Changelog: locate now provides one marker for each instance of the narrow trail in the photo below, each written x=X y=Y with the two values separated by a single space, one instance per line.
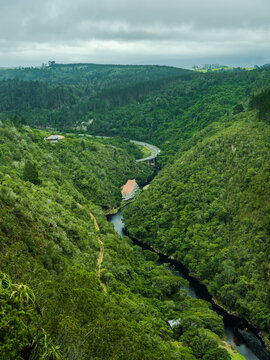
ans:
x=101 y=252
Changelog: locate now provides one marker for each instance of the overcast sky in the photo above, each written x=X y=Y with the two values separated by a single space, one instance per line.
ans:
x=173 y=32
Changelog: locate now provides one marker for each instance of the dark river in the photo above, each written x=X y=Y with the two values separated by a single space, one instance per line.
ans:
x=233 y=325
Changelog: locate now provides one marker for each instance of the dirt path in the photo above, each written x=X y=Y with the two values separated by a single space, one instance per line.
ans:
x=95 y=222
x=101 y=252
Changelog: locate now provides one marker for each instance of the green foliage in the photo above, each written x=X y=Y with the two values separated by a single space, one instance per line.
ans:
x=217 y=353
x=94 y=75
x=207 y=208
x=124 y=143
x=261 y=102
x=171 y=115
x=210 y=208
x=30 y=173
x=19 y=337
x=65 y=96
x=150 y=255
x=161 y=105
x=238 y=109
x=49 y=241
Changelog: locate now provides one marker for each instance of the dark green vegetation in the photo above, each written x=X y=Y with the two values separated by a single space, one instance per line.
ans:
x=161 y=105
x=49 y=242
x=208 y=206
x=19 y=337
x=80 y=164
x=261 y=102
x=65 y=96
x=210 y=209
x=137 y=151
x=169 y=117
x=97 y=76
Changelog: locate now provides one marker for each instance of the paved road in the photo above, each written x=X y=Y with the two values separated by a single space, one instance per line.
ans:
x=155 y=150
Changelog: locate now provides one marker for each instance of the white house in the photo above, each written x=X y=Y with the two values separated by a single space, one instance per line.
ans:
x=54 y=138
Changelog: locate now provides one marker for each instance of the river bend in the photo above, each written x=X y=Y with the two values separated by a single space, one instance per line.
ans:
x=233 y=325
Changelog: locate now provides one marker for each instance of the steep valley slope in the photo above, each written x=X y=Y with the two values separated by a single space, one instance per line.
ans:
x=58 y=300
x=210 y=209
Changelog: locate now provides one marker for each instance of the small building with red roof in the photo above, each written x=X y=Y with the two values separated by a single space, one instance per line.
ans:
x=129 y=190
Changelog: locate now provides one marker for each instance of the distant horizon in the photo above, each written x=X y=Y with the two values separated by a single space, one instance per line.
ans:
x=173 y=33
x=188 y=67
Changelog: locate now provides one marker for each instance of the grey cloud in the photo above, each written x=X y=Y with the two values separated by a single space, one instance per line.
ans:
x=31 y=19
x=186 y=27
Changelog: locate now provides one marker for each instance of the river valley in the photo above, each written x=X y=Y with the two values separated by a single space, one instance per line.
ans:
x=247 y=342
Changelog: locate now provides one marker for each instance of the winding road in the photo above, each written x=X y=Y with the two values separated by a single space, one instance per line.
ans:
x=155 y=150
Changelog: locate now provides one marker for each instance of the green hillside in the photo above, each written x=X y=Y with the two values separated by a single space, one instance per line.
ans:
x=66 y=276
x=173 y=114
x=72 y=305
x=162 y=105
x=210 y=210
x=96 y=75
x=65 y=96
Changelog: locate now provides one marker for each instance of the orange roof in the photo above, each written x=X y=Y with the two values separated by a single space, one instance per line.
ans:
x=128 y=187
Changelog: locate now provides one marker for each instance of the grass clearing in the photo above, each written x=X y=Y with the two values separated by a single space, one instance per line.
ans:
x=146 y=152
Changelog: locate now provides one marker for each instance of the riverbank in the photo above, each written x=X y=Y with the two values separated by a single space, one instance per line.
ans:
x=123 y=204
x=242 y=327
x=197 y=289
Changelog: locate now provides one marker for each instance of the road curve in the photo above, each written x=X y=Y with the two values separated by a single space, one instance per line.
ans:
x=155 y=150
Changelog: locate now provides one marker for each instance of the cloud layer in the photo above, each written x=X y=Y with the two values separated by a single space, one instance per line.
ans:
x=178 y=32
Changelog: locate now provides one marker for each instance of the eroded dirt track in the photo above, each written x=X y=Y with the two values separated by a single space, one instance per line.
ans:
x=101 y=252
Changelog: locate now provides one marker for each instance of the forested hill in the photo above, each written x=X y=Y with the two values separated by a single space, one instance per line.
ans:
x=210 y=209
x=97 y=75
x=97 y=296
x=157 y=104
x=62 y=299
x=65 y=96
x=172 y=115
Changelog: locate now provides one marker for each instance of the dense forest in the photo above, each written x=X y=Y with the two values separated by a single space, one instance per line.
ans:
x=210 y=210
x=208 y=207
x=63 y=96
x=54 y=302
x=97 y=76
x=162 y=105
